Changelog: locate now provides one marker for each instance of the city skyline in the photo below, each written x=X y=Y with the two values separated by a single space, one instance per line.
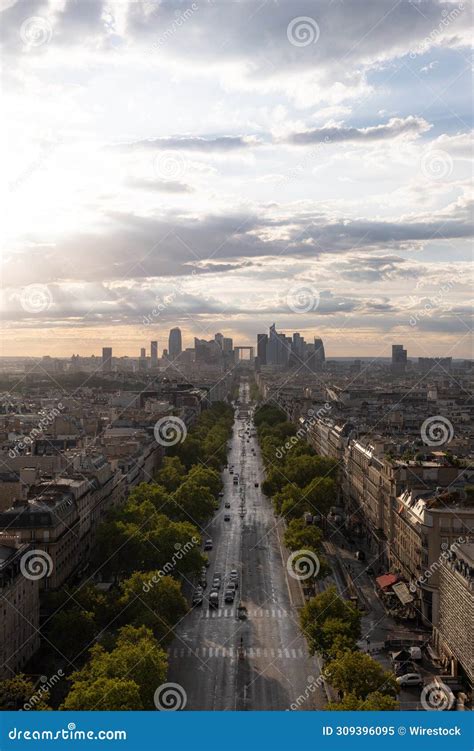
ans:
x=333 y=198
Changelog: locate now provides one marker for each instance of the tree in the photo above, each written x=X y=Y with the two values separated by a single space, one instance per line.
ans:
x=300 y=535
x=193 y=502
x=17 y=691
x=206 y=477
x=359 y=674
x=71 y=631
x=320 y=620
x=375 y=702
x=171 y=474
x=153 y=600
x=136 y=657
x=104 y=694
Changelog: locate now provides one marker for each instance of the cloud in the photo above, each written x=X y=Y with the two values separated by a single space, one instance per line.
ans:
x=408 y=127
x=161 y=186
x=195 y=143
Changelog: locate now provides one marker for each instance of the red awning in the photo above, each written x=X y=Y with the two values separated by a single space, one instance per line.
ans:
x=387 y=580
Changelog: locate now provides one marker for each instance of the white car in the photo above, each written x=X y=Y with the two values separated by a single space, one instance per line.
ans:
x=410 y=679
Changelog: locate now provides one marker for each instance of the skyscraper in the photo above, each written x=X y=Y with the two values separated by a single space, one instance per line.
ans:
x=399 y=359
x=106 y=359
x=175 y=346
x=262 y=343
x=154 y=354
x=219 y=338
x=228 y=345
x=317 y=356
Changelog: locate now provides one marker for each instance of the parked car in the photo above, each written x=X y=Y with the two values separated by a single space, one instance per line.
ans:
x=208 y=544
x=410 y=679
x=229 y=595
x=227 y=504
x=256 y=484
x=198 y=597
x=227 y=517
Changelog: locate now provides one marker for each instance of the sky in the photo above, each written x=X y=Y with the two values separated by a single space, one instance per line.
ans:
x=223 y=165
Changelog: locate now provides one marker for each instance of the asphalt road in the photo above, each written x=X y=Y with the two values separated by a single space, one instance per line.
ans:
x=261 y=663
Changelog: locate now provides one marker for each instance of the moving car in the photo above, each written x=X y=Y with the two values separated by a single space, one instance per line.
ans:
x=229 y=595
x=410 y=679
x=256 y=484
x=227 y=517
x=214 y=600
x=360 y=555
x=208 y=545
x=227 y=504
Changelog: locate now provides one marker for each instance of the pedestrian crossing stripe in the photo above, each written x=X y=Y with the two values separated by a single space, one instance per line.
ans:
x=232 y=613
x=204 y=653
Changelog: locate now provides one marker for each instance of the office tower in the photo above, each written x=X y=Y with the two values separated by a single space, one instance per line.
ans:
x=142 y=364
x=154 y=354
x=106 y=359
x=207 y=352
x=399 y=359
x=219 y=338
x=175 y=346
x=317 y=356
x=228 y=345
x=297 y=345
x=278 y=350
x=143 y=352
x=262 y=343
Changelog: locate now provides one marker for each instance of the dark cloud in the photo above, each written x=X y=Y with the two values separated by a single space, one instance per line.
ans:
x=195 y=143
x=396 y=127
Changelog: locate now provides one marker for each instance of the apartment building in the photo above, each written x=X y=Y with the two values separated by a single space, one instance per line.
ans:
x=453 y=632
x=19 y=611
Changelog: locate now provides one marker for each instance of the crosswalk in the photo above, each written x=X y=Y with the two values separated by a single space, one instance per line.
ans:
x=249 y=653
x=232 y=613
